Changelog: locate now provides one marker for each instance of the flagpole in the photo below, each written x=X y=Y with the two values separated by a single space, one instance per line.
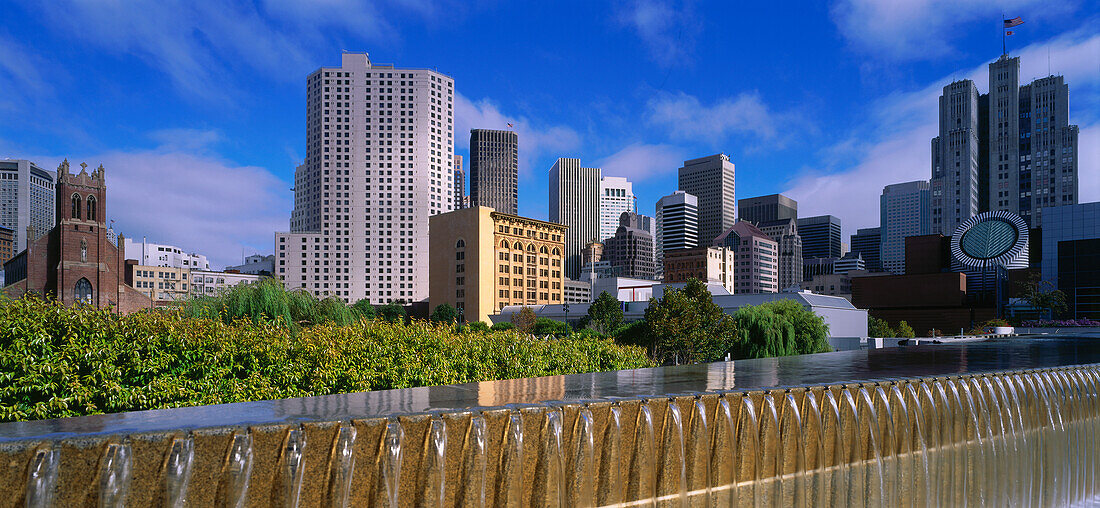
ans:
x=1004 y=46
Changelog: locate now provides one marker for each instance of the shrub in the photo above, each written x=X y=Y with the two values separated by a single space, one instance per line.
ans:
x=392 y=312
x=444 y=313
x=879 y=328
x=686 y=326
x=478 y=326
x=905 y=331
x=632 y=334
x=364 y=309
x=547 y=326
x=502 y=326
x=57 y=361
x=779 y=328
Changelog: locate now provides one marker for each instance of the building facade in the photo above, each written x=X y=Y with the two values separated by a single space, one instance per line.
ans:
x=494 y=170
x=212 y=283
x=705 y=264
x=630 y=251
x=867 y=242
x=1071 y=256
x=460 y=183
x=74 y=262
x=616 y=198
x=905 y=209
x=785 y=233
x=162 y=284
x=711 y=180
x=7 y=244
x=757 y=268
x=256 y=264
x=677 y=226
x=955 y=158
x=483 y=260
x=576 y=291
x=575 y=203
x=26 y=200
x=821 y=237
x=379 y=145
x=768 y=208
x=157 y=254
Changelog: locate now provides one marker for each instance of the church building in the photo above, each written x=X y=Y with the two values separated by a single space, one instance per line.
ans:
x=75 y=262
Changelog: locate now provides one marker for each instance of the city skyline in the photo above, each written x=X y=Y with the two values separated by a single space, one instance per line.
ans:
x=218 y=157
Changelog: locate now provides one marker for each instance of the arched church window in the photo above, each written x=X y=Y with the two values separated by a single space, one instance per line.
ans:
x=83 y=291
x=91 y=208
x=76 y=206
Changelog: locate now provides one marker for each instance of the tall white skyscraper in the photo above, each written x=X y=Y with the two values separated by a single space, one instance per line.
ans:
x=575 y=202
x=26 y=199
x=677 y=226
x=379 y=145
x=616 y=197
x=904 y=209
x=711 y=179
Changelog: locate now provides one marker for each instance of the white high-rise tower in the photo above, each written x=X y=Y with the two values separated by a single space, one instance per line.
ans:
x=379 y=145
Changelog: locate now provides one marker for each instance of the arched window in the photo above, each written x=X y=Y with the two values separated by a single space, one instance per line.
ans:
x=461 y=244
x=91 y=208
x=83 y=291
x=530 y=248
x=517 y=246
x=544 y=250
x=504 y=244
x=556 y=251
x=76 y=206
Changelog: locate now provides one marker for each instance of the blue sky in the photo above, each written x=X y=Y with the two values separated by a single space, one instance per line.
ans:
x=196 y=108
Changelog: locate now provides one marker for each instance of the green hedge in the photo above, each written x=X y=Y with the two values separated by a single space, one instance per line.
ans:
x=59 y=362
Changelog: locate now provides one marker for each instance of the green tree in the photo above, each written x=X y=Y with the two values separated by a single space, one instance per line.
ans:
x=364 y=309
x=477 y=326
x=686 y=326
x=524 y=319
x=444 y=313
x=762 y=333
x=811 y=334
x=547 y=326
x=879 y=328
x=392 y=312
x=905 y=331
x=1043 y=295
x=605 y=314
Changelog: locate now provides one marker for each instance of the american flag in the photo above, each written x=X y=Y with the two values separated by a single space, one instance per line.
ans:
x=1017 y=21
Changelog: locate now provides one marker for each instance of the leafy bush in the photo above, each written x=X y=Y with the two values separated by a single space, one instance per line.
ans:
x=547 y=326
x=686 y=326
x=905 y=331
x=392 y=312
x=502 y=326
x=779 y=328
x=524 y=319
x=478 y=326
x=1061 y=323
x=879 y=328
x=632 y=334
x=444 y=313
x=364 y=309
x=57 y=361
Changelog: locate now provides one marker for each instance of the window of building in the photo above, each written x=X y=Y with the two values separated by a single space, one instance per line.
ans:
x=83 y=291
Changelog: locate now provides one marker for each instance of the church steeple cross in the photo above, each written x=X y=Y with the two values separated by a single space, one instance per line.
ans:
x=83 y=166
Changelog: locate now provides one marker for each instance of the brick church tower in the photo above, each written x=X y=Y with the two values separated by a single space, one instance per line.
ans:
x=75 y=262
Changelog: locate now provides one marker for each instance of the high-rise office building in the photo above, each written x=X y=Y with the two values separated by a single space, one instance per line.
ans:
x=904 y=210
x=1011 y=149
x=494 y=169
x=711 y=180
x=575 y=202
x=772 y=207
x=630 y=250
x=757 y=257
x=460 y=183
x=26 y=200
x=955 y=158
x=616 y=198
x=785 y=233
x=868 y=243
x=378 y=163
x=820 y=237
x=677 y=225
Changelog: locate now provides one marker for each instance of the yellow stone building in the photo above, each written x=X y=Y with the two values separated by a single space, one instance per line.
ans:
x=482 y=260
x=164 y=284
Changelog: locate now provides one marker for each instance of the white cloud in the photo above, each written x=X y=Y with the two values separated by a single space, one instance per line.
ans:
x=686 y=117
x=535 y=140
x=185 y=140
x=667 y=28
x=852 y=173
x=198 y=203
x=641 y=161
x=926 y=29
